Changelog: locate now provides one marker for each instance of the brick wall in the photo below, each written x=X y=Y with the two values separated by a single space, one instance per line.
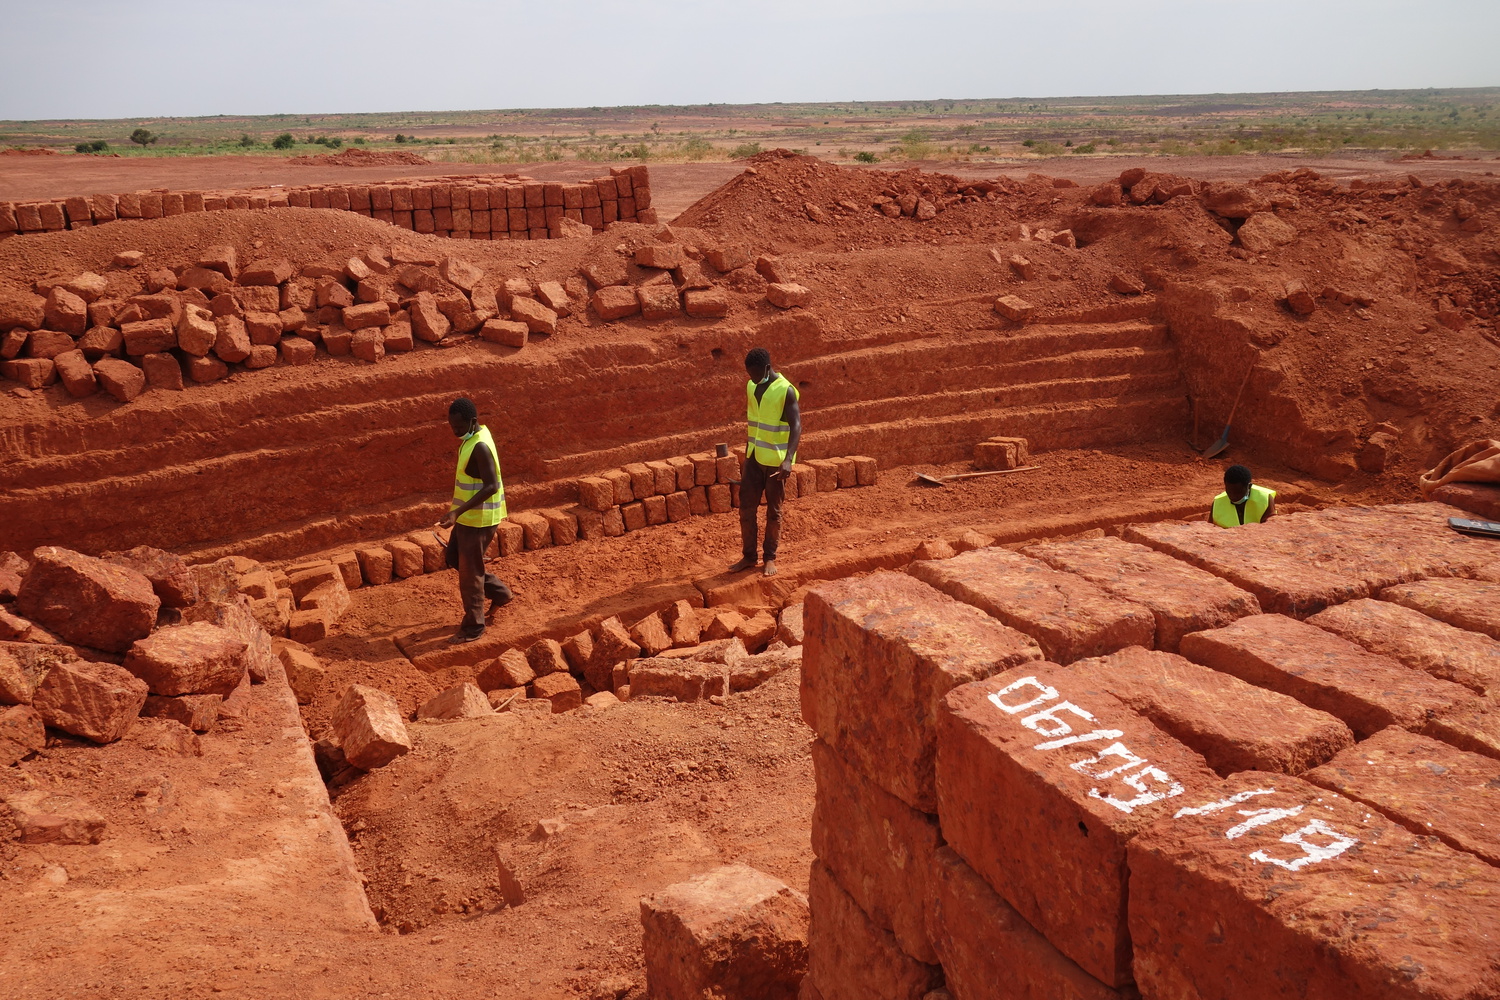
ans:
x=502 y=207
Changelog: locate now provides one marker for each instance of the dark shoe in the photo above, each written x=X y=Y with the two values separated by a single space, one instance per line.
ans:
x=463 y=636
x=746 y=563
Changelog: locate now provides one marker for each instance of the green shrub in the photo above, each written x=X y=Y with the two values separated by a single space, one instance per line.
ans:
x=400 y=137
x=1029 y=143
x=1087 y=147
x=97 y=146
x=744 y=151
x=864 y=156
x=246 y=142
x=283 y=141
x=358 y=140
x=142 y=137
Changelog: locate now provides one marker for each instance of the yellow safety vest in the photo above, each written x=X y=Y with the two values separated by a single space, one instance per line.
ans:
x=1225 y=516
x=492 y=511
x=769 y=434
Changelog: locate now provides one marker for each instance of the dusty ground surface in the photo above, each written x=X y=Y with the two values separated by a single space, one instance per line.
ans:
x=650 y=792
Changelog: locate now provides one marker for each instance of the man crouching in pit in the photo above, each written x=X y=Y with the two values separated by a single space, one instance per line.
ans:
x=478 y=507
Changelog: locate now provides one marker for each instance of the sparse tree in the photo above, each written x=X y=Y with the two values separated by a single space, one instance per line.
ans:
x=283 y=141
x=143 y=137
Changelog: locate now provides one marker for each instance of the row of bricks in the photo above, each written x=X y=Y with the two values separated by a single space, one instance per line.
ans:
x=421 y=552
x=644 y=480
x=423 y=206
x=125 y=379
x=1231 y=723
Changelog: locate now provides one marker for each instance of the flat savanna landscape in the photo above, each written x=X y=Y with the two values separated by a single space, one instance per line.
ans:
x=1459 y=121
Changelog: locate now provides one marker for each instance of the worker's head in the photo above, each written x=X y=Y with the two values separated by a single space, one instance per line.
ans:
x=463 y=416
x=758 y=364
x=1237 y=482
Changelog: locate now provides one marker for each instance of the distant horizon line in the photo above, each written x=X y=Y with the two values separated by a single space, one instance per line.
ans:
x=1436 y=91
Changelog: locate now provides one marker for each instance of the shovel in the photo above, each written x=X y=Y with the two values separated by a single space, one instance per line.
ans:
x=1223 y=441
x=923 y=477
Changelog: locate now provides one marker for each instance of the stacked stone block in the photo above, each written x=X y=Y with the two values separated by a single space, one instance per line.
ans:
x=503 y=207
x=1184 y=815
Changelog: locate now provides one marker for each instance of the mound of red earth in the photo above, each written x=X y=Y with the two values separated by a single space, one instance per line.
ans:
x=356 y=157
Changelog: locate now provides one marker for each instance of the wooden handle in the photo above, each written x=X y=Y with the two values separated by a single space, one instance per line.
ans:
x=1243 y=382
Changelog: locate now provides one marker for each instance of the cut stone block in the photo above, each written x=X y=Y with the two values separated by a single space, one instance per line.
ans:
x=87 y=600
x=682 y=624
x=1267 y=881
x=850 y=958
x=169 y=574
x=304 y=671
x=1333 y=675
x=732 y=933
x=650 y=633
x=546 y=657
x=22 y=732
x=753 y=671
x=1299 y=564
x=879 y=848
x=789 y=626
x=375 y=565
x=1068 y=616
x=1181 y=598
x=1417 y=641
x=1467 y=604
x=1425 y=785
x=189 y=659
x=407 y=559
x=1473 y=726
x=560 y=689
x=97 y=701
x=45 y=817
x=612 y=644
x=757 y=631
x=1014 y=308
x=1234 y=725
x=891 y=634
x=198 y=712
x=23 y=665
x=462 y=701
x=367 y=725
x=508 y=670
x=680 y=678
x=988 y=951
x=1043 y=778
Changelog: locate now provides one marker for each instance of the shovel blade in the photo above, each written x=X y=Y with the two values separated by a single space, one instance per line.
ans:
x=924 y=478
x=1218 y=445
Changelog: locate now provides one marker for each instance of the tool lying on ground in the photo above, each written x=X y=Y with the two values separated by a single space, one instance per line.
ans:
x=923 y=477
x=1223 y=441
x=1481 y=529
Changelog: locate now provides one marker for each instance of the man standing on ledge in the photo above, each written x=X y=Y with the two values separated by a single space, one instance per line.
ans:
x=775 y=429
x=1242 y=502
x=478 y=506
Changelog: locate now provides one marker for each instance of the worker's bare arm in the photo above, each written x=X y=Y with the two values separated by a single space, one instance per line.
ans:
x=791 y=413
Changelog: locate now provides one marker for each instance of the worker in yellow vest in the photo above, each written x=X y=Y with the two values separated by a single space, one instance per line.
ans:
x=774 y=425
x=478 y=506
x=1242 y=502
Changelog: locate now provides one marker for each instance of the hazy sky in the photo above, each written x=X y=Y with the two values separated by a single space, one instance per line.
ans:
x=116 y=59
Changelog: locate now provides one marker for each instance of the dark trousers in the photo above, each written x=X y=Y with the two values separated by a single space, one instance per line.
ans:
x=466 y=548
x=755 y=480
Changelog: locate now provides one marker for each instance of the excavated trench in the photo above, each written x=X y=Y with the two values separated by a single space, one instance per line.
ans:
x=900 y=357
